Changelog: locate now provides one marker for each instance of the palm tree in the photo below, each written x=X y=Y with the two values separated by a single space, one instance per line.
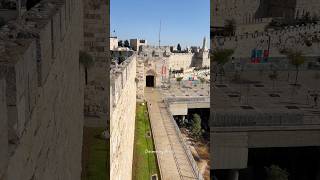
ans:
x=296 y=58
x=221 y=57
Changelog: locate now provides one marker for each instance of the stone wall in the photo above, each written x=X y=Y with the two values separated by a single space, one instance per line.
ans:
x=3 y=131
x=141 y=79
x=252 y=11
x=159 y=67
x=290 y=38
x=40 y=62
x=122 y=124
x=180 y=60
x=96 y=43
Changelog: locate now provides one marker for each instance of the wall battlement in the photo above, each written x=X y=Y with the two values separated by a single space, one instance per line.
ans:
x=119 y=78
x=44 y=97
x=298 y=37
x=123 y=90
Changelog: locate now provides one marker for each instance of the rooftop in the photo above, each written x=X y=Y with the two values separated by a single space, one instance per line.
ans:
x=261 y=100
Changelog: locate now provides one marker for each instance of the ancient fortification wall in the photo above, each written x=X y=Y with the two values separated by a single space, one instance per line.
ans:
x=141 y=78
x=40 y=63
x=122 y=124
x=96 y=43
x=289 y=38
x=251 y=11
x=3 y=131
x=180 y=60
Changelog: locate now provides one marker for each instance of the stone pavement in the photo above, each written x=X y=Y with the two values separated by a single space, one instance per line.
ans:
x=172 y=158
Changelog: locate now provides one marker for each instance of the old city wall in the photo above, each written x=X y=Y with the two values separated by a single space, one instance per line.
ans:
x=122 y=124
x=240 y=11
x=206 y=59
x=3 y=131
x=140 y=78
x=180 y=60
x=44 y=92
x=96 y=32
x=288 y=38
x=251 y=11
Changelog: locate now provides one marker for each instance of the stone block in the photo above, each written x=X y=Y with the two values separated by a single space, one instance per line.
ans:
x=3 y=130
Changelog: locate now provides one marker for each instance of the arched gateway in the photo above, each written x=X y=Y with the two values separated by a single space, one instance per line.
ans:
x=150 y=78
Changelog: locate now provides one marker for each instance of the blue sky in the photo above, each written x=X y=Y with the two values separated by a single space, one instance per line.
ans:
x=183 y=21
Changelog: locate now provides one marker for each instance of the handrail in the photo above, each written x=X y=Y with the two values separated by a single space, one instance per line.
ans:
x=186 y=148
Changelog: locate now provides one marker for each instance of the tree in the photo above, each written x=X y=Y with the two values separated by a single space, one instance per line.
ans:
x=230 y=26
x=179 y=48
x=196 y=129
x=274 y=172
x=306 y=18
x=273 y=76
x=120 y=43
x=87 y=61
x=296 y=58
x=179 y=79
x=202 y=80
x=126 y=44
x=121 y=59
x=221 y=57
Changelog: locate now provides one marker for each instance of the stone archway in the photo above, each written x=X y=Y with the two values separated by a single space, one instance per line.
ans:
x=150 y=81
x=150 y=78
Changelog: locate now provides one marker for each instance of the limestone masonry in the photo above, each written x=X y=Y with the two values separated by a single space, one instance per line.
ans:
x=257 y=11
x=305 y=38
x=96 y=31
x=127 y=85
x=42 y=109
x=122 y=124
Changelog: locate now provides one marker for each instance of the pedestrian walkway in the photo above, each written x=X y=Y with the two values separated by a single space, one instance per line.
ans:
x=172 y=157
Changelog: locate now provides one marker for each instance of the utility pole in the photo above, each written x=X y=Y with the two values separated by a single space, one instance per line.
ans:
x=160 y=34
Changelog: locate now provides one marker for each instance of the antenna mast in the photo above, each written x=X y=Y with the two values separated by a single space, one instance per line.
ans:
x=160 y=34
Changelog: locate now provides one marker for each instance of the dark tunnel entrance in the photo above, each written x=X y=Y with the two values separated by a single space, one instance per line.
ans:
x=150 y=81
x=301 y=163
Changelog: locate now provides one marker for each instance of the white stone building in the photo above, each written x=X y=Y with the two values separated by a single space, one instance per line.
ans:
x=137 y=43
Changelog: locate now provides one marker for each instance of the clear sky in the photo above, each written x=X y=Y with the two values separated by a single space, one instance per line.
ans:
x=183 y=21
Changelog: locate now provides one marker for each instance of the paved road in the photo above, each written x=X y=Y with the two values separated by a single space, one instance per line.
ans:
x=172 y=158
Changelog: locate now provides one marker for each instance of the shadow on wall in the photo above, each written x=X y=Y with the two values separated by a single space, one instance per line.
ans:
x=31 y=3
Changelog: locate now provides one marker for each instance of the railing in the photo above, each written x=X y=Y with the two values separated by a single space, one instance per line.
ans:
x=187 y=99
x=237 y=119
x=186 y=148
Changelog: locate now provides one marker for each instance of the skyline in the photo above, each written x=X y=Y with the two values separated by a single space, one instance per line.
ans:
x=181 y=22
